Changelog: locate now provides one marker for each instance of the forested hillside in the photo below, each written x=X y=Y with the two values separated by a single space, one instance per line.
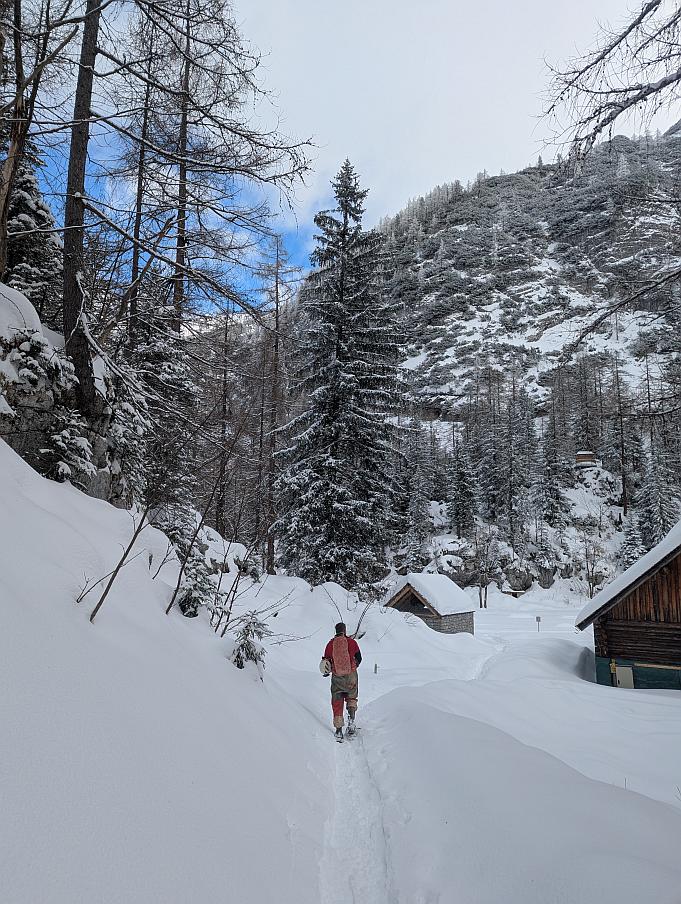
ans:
x=416 y=399
x=530 y=339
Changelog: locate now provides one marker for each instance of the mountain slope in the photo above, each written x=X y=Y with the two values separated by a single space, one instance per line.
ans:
x=510 y=272
x=522 y=351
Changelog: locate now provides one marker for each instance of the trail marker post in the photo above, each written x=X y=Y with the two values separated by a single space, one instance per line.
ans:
x=538 y=620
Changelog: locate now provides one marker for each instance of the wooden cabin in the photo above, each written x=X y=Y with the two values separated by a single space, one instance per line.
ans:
x=585 y=459
x=637 y=621
x=436 y=600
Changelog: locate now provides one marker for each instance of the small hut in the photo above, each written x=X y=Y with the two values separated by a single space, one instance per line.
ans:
x=437 y=600
x=637 y=621
x=585 y=459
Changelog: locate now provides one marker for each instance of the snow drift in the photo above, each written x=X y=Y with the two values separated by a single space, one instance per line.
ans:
x=140 y=766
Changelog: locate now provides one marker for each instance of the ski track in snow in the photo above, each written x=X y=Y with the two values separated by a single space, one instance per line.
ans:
x=354 y=867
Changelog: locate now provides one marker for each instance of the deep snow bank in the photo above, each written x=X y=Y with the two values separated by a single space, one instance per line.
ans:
x=138 y=765
x=472 y=815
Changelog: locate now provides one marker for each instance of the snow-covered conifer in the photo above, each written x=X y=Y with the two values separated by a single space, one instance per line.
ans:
x=632 y=547
x=462 y=506
x=34 y=250
x=550 y=478
x=419 y=475
x=658 y=499
x=39 y=397
x=336 y=484
x=248 y=642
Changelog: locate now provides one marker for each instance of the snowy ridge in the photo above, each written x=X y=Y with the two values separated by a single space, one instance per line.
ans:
x=513 y=270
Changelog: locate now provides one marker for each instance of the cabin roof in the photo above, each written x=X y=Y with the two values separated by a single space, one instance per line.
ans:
x=625 y=583
x=438 y=591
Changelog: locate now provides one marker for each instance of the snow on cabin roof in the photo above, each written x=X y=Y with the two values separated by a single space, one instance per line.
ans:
x=446 y=597
x=646 y=566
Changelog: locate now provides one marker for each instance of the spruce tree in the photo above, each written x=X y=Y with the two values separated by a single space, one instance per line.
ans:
x=335 y=488
x=632 y=547
x=658 y=501
x=462 y=506
x=550 y=480
x=34 y=250
x=419 y=473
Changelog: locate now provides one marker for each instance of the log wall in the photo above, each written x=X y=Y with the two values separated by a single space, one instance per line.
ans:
x=646 y=625
x=409 y=602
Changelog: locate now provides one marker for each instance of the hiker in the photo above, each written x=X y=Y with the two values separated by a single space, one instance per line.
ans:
x=340 y=660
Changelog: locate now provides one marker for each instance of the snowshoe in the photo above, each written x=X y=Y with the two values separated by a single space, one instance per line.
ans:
x=339 y=735
x=351 y=729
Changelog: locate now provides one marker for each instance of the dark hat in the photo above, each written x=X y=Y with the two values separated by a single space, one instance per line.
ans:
x=340 y=628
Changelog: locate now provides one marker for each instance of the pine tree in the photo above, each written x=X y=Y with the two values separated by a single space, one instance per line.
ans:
x=517 y=456
x=34 y=250
x=336 y=486
x=419 y=472
x=31 y=369
x=658 y=501
x=632 y=547
x=162 y=362
x=488 y=445
x=248 y=647
x=550 y=480
x=462 y=506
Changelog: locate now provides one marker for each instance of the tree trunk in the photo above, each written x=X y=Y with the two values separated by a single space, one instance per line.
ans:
x=17 y=139
x=181 y=244
x=133 y=324
x=259 y=507
x=274 y=415
x=75 y=321
x=221 y=499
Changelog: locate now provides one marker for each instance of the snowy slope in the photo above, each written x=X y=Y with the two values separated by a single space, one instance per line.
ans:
x=513 y=270
x=501 y=821
x=140 y=766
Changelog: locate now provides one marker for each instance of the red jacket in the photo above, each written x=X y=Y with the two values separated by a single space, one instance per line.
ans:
x=343 y=654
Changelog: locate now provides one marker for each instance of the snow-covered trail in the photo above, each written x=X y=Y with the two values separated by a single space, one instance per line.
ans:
x=354 y=868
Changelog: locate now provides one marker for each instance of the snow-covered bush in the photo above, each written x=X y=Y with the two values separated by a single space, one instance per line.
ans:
x=31 y=367
x=35 y=383
x=248 y=647
x=128 y=435
x=68 y=453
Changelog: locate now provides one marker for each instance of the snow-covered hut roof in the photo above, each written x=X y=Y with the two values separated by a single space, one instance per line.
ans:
x=633 y=577
x=440 y=593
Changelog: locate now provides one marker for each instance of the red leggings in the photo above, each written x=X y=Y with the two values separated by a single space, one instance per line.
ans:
x=343 y=692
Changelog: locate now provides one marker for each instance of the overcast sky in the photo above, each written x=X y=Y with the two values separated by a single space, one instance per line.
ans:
x=415 y=92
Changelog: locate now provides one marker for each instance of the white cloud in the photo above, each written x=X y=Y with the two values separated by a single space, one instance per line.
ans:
x=415 y=93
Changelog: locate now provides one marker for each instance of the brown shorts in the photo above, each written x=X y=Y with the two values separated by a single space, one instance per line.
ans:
x=344 y=687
